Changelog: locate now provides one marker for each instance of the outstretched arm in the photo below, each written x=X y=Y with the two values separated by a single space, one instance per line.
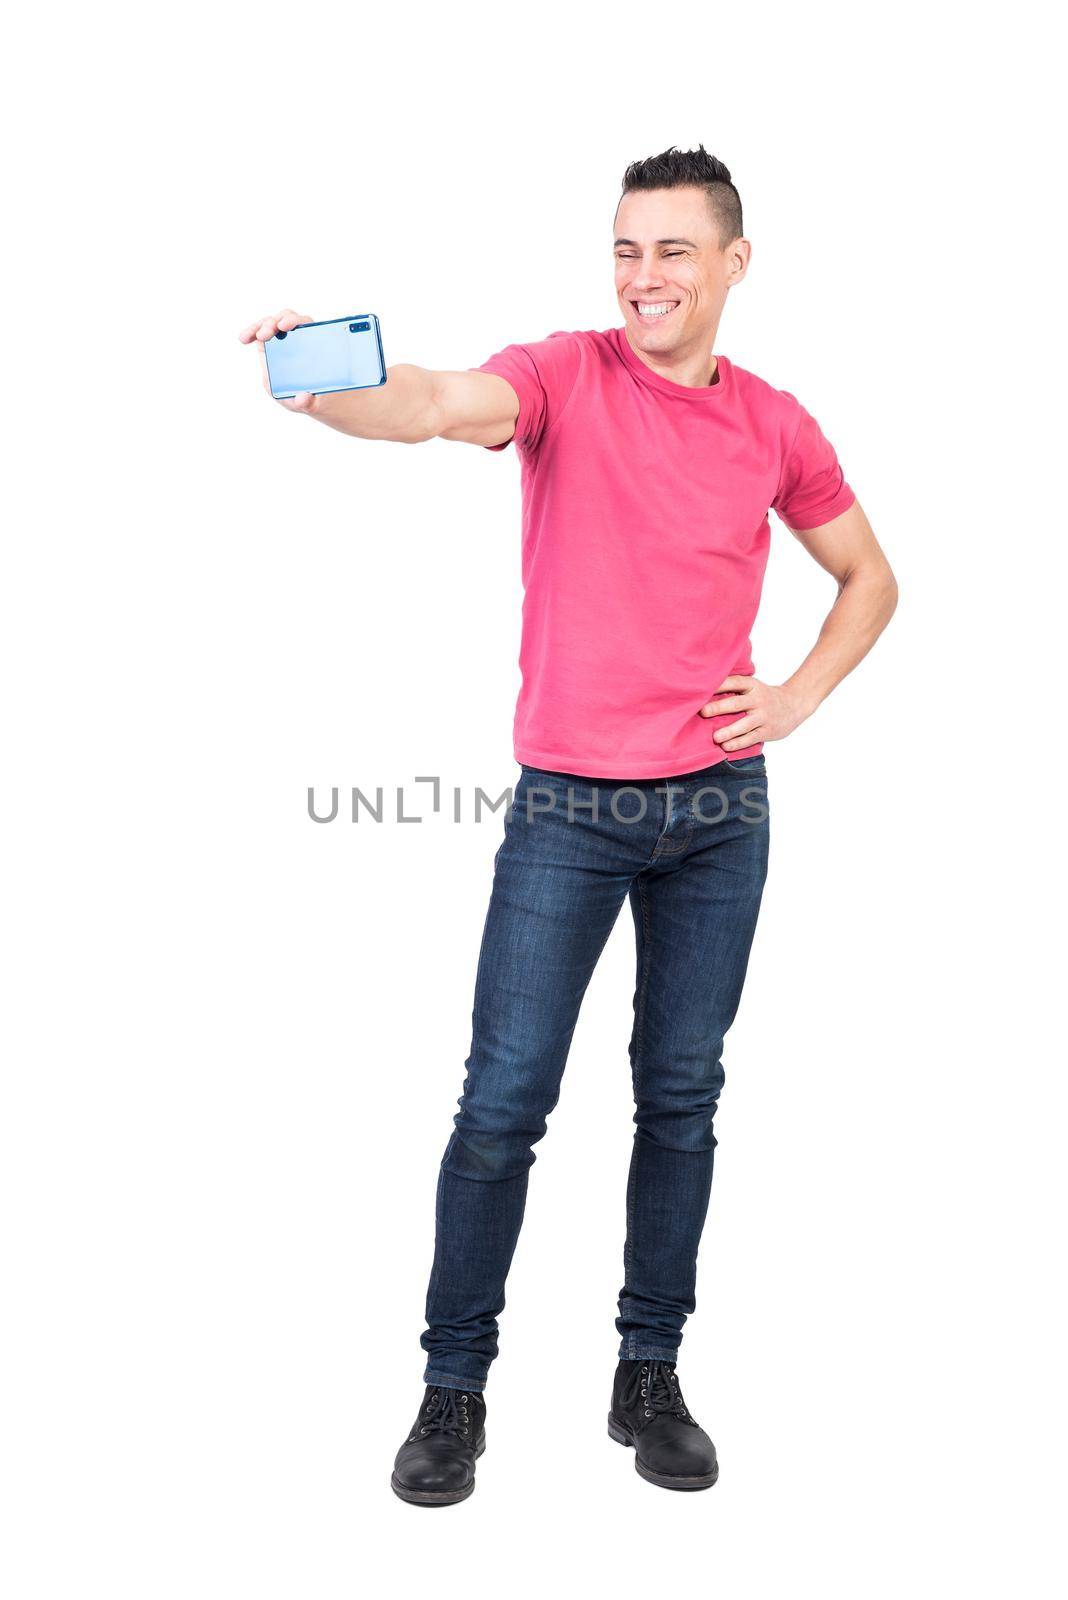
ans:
x=414 y=403
x=867 y=596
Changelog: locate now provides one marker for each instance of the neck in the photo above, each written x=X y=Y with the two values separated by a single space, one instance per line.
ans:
x=694 y=369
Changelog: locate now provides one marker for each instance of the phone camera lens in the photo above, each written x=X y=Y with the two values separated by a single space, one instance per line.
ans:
x=280 y=334
x=353 y=326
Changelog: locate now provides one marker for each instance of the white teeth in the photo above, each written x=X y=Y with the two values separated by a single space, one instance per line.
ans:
x=654 y=308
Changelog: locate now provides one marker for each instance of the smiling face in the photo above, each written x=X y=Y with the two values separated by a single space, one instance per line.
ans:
x=672 y=275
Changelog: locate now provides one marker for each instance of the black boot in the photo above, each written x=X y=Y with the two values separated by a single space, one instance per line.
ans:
x=435 y=1465
x=648 y=1411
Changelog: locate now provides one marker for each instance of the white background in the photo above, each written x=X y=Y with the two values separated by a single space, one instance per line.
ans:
x=237 y=1038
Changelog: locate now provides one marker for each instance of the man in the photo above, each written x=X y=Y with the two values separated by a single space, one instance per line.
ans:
x=649 y=468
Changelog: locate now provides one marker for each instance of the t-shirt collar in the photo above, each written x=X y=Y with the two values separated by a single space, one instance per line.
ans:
x=682 y=391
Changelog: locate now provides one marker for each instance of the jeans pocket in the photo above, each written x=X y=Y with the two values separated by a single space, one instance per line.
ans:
x=748 y=764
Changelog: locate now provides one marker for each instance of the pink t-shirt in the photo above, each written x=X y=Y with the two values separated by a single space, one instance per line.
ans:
x=645 y=539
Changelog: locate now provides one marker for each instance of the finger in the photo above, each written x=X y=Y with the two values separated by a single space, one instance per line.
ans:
x=736 y=681
x=305 y=403
x=756 y=737
x=291 y=319
x=267 y=329
x=745 y=725
x=248 y=334
x=730 y=702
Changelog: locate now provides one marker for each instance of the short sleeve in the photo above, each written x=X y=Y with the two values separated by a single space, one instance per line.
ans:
x=812 y=489
x=543 y=375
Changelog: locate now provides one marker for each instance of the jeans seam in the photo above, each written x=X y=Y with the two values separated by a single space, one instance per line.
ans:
x=639 y=1049
x=646 y=965
x=478 y=984
x=485 y=929
x=433 y=1284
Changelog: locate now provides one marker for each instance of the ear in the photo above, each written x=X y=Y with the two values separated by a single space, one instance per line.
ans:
x=737 y=253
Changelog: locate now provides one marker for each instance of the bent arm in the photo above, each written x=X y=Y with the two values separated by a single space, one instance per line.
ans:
x=414 y=403
x=867 y=597
x=847 y=548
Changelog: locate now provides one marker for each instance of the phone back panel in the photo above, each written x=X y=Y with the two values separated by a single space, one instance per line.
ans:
x=325 y=357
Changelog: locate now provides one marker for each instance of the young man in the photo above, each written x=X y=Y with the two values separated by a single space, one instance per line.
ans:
x=649 y=468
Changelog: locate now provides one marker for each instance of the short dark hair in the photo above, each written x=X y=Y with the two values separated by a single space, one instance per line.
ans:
x=678 y=169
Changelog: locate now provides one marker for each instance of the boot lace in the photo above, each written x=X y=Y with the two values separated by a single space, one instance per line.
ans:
x=446 y=1412
x=658 y=1386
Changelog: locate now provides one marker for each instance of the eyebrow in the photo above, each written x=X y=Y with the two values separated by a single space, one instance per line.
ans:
x=659 y=241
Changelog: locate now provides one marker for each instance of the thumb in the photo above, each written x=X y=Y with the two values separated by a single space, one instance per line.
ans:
x=302 y=402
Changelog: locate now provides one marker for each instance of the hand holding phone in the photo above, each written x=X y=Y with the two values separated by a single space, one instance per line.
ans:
x=303 y=359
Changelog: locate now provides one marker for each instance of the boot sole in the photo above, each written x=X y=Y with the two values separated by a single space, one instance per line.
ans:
x=431 y=1497
x=663 y=1480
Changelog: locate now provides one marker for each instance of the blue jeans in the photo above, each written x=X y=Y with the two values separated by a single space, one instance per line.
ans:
x=691 y=853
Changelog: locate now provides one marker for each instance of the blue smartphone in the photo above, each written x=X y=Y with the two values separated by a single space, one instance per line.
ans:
x=326 y=357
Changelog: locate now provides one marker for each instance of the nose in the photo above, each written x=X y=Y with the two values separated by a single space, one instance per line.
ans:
x=648 y=276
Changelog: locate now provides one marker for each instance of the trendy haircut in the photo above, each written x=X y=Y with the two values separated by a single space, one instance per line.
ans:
x=678 y=169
